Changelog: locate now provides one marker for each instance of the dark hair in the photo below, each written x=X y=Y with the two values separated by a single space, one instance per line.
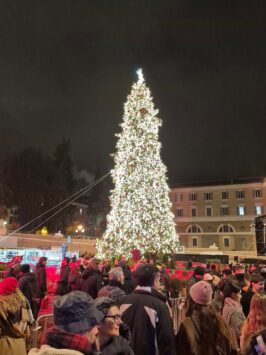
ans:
x=103 y=304
x=213 y=267
x=199 y=270
x=25 y=268
x=145 y=274
x=229 y=289
x=227 y=272
x=256 y=278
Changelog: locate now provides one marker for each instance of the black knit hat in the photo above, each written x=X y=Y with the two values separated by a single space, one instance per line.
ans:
x=76 y=313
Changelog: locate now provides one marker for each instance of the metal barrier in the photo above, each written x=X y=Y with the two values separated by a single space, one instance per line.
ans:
x=179 y=306
x=41 y=325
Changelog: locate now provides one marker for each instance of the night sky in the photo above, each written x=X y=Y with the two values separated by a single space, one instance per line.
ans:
x=66 y=68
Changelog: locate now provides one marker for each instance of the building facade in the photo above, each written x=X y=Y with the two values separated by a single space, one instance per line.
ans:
x=219 y=216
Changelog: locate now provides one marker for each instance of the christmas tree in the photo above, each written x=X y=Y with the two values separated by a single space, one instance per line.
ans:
x=140 y=216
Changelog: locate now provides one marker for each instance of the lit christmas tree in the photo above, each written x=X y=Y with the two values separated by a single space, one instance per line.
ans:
x=141 y=216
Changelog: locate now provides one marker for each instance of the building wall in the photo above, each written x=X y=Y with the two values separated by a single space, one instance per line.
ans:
x=233 y=208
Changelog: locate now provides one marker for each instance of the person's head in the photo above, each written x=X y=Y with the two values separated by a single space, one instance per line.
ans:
x=76 y=313
x=257 y=283
x=227 y=273
x=231 y=290
x=201 y=293
x=146 y=274
x=213 y=267
x=198 y=272
x=43 y=260
x=257 y=312
x=111 y=322
x=116 y=274
x=24 y=269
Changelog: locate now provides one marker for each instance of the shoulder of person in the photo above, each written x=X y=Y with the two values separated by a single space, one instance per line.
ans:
x=48 y=350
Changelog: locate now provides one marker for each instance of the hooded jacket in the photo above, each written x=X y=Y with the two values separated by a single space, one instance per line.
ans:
x=27 y=284
x=91 y=282
x=40 y=273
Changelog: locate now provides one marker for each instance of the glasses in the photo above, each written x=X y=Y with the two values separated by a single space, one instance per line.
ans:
x=115 y=318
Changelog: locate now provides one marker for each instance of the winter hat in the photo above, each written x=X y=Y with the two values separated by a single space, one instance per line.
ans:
x=199 y=270
x=8 y=286
x=103 y=304
x=76 y=313
x=201 y=293
x=145 y=274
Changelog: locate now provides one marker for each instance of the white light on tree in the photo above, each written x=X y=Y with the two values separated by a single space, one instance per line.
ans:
x=140 y=216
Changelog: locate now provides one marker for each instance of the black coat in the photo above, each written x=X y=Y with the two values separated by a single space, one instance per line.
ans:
x=62 y=283
x=246 y=300
x=40 y=273
x=91 y=282
x=27 y=284
x=117 y=346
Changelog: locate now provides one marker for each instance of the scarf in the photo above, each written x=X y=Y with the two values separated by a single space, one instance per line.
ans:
x=60 y=339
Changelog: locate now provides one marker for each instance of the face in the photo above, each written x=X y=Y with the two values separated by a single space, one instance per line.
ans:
x=156 y=283
x=122 y=278
x=92 y=333
x=199 y=277
x=111 y=323
x=258 y=287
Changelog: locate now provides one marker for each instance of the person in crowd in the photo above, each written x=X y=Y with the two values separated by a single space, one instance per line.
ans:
x=13 y=270
x=214 y=271
x=165 y=280
x=111 y=329
x=232 y=310
x=27 y=284
x=147 y=316
x=196 y=277
x=75 y=329
x=129 y=283
x=62 y=283
x=204 y=332
x=114 y=289
x=40 y=272
x=105 y=271
x=208 y=278
x=14 y=318
x=256 y=344
x=91 y=279
x=74 y=279
x=240 y=275
x=256 y=320
x=256 y=286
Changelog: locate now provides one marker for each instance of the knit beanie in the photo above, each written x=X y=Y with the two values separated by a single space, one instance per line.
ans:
x=103 y=304
x=201 y=293
x=8 y=286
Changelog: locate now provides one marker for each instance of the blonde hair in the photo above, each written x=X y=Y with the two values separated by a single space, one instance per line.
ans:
x=256 y=319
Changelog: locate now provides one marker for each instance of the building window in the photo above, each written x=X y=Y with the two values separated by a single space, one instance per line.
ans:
x=179 y=212
x=226 y=242
x=257 y=193
x=193 y=211
x=225 y=228
x=258 y=210
x=208 y=211
x=208 y=196
x=224 y=211
x=178 y=197
x=194 y=229
x=193 y=196
x=240 y=195
x=241 y=210
x=225 y=195
x=194 y=242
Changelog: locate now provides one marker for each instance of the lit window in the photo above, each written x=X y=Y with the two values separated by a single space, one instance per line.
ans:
x=258 y=210
x=240 y=210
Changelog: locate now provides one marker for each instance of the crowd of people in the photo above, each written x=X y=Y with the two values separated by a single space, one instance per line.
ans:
x=99 y=308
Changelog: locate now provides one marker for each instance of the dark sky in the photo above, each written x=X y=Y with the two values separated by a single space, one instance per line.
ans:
x=66 y=68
